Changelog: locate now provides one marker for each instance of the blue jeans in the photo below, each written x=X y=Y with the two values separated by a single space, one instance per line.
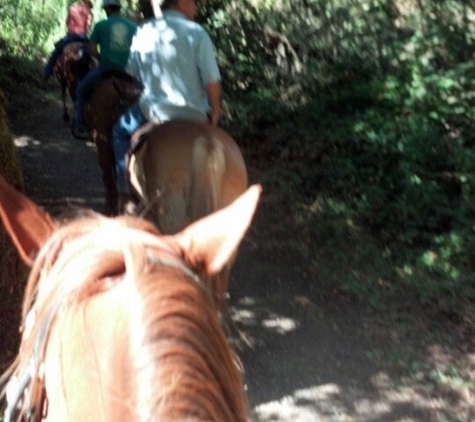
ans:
x=122 y=131
x=58 y=49
x=84 y=89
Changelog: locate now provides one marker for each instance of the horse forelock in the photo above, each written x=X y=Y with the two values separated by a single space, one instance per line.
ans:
x=184 y=363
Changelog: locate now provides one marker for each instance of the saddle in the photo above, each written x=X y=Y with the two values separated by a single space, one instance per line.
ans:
x=80 y=44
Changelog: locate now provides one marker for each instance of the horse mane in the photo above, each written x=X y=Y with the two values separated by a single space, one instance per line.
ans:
x=187 y=359
x=185 y=369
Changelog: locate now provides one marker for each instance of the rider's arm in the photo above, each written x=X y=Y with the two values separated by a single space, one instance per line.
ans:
x=89 y=20
x=213 y=89
x=93 y=49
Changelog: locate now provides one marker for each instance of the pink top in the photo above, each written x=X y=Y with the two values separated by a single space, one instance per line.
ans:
x=79 y=19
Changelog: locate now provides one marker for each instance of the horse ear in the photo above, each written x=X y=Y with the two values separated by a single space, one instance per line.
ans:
x=211 y=242
x=28 y=226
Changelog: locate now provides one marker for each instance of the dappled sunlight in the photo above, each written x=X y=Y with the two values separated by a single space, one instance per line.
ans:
x=280 y=325
x=302 y=405
x=332 y=402
x=250 y=314
x=273 y=322
x=50 y=154
x=306 y=361
x=25 y=141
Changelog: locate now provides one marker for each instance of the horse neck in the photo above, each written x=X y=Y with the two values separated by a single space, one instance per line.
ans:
x=185 y=366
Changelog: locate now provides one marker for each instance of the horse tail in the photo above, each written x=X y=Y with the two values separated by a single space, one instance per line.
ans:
x=207 y=172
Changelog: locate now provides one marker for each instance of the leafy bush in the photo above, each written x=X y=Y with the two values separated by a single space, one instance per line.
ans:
x=366 y=104
x=365 y=107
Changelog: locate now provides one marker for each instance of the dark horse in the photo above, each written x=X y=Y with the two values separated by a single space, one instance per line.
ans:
x=72 y=65
x=117 y=324
x=112 y=94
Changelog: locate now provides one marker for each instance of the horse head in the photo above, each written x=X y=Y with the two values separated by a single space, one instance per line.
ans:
x=156 y=350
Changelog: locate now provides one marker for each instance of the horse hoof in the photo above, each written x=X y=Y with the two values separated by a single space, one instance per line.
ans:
x=79 y=132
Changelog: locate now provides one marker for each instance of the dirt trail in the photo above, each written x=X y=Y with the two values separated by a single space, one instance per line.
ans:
x=311 y=356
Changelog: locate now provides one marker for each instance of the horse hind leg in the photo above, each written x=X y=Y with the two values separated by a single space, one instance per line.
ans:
x=208 y=172
x=208 y=168
x=66 y=117
x=105 y=156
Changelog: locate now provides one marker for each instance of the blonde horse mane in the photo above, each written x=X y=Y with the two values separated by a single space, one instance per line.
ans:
x=185 y=369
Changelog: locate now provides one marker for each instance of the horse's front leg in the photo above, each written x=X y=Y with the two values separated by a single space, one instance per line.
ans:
x=65 y=108
x=105 y=156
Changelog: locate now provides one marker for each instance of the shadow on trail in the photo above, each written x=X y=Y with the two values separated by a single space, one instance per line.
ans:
x=311 y=359
x=60 y=172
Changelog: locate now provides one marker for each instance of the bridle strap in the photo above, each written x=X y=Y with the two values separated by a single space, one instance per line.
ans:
x=173 y=262
x=32 y=376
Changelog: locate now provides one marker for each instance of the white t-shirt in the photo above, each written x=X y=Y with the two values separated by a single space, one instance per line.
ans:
x=174 y=58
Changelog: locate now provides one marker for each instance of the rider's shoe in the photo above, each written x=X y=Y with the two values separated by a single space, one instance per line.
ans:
x=79 y=131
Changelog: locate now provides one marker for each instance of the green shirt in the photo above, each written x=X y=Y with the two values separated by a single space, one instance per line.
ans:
x=113 y=36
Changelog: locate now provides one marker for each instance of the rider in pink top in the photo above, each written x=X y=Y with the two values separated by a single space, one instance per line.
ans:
x=79 y=22
x=79 y=18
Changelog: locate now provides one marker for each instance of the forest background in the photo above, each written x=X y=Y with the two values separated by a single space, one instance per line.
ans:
x=356 y=115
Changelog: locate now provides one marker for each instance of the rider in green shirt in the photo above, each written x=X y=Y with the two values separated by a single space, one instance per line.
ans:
x=110 y=42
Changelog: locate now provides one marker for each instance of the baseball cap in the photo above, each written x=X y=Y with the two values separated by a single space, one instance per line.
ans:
x=106 y=3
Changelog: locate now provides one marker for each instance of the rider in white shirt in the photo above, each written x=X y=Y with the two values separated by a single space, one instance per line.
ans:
x=175 y=60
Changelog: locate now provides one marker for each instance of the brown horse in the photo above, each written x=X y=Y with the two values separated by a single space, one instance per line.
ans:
x=186 y=170
x=183 y=172
x=113 y=93
x=72 y=65
x=117 y=325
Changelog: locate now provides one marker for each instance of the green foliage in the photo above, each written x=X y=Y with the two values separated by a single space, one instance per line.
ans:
x=27 y=27
x=368 y=104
